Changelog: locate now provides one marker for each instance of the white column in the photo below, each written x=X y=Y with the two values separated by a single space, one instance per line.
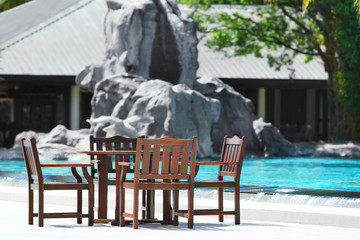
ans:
x=74 y=108
x=261 y=103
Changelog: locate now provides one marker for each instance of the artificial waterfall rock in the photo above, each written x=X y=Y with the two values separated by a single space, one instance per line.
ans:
x=160 y=107
x=152 y=39
x=236 y=113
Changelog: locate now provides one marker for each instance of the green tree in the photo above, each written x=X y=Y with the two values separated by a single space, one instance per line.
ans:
x=307 y=2
x=281 y=26
x=349 y=75
x=7 y=4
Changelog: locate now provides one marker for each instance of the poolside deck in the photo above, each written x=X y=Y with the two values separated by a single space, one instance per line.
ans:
x=259 y=220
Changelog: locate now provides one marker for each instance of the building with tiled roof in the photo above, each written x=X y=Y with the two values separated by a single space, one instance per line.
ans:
x=46 y=43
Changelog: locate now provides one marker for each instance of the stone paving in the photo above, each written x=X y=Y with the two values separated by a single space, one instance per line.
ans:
x=258 y=221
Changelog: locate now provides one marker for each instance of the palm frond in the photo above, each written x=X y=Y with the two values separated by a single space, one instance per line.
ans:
x=357 y=7
x=306 y=4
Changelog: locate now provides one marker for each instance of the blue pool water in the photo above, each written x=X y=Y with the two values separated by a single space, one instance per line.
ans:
x=276 y=173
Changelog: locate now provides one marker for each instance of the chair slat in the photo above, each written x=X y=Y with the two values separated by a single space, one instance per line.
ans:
x=225 y=157
x=99 y=146
x=146 y=163
x=166 y=159
x=117 y=145
x=185 y=159
x=175 y=159
x=155 y=161
x=231 y=157
x=108 y=146
x=237 y=157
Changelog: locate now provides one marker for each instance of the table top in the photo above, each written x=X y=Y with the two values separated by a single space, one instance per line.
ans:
x=124 y=152
x=108 y=152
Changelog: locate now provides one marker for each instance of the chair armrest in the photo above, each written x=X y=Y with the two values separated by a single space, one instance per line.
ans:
x=198 y=164
x=66 y=165
x=216 y=163
x=126 y=164
x=73 y=170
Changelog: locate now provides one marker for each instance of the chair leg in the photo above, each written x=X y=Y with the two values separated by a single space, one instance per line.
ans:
x=41 y=208
x=136 y=209
x=191 y=208
x=144 y=205
x=31 y=206
x=237 y=204
x=91 y=204
x=117 y=198
x=221 y=203
x=122 y=207
x=176 y=206
x=79 y=205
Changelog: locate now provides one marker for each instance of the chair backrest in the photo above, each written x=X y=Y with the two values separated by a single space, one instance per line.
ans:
x=233 y=150
x=32 y=161
x=165 y=158
x=113 y=143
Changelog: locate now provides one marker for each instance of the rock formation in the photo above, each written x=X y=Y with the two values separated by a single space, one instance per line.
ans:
x=271 y=140
x=166 y=109
x=235 y=113
x=114 y=126
x=59 y=144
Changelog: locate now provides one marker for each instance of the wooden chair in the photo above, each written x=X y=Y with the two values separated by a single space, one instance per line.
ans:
x=157 y=162
x=230 y=165
x=113 y=143
x=36 y=182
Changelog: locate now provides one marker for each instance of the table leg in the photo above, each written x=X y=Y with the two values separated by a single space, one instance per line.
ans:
x=103 y=187
x=150 y=204
x=167 y=215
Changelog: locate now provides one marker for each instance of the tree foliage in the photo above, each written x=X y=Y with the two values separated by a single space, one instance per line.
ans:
x=254 y=28
x=357 y=6
x=349 y=54
x=349 y=75
x=325 y=30
x=305 y=3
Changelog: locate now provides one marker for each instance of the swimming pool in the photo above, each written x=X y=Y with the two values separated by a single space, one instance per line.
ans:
x=282 y=174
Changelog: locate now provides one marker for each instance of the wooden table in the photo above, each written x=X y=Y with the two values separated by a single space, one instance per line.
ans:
x=103 y=190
